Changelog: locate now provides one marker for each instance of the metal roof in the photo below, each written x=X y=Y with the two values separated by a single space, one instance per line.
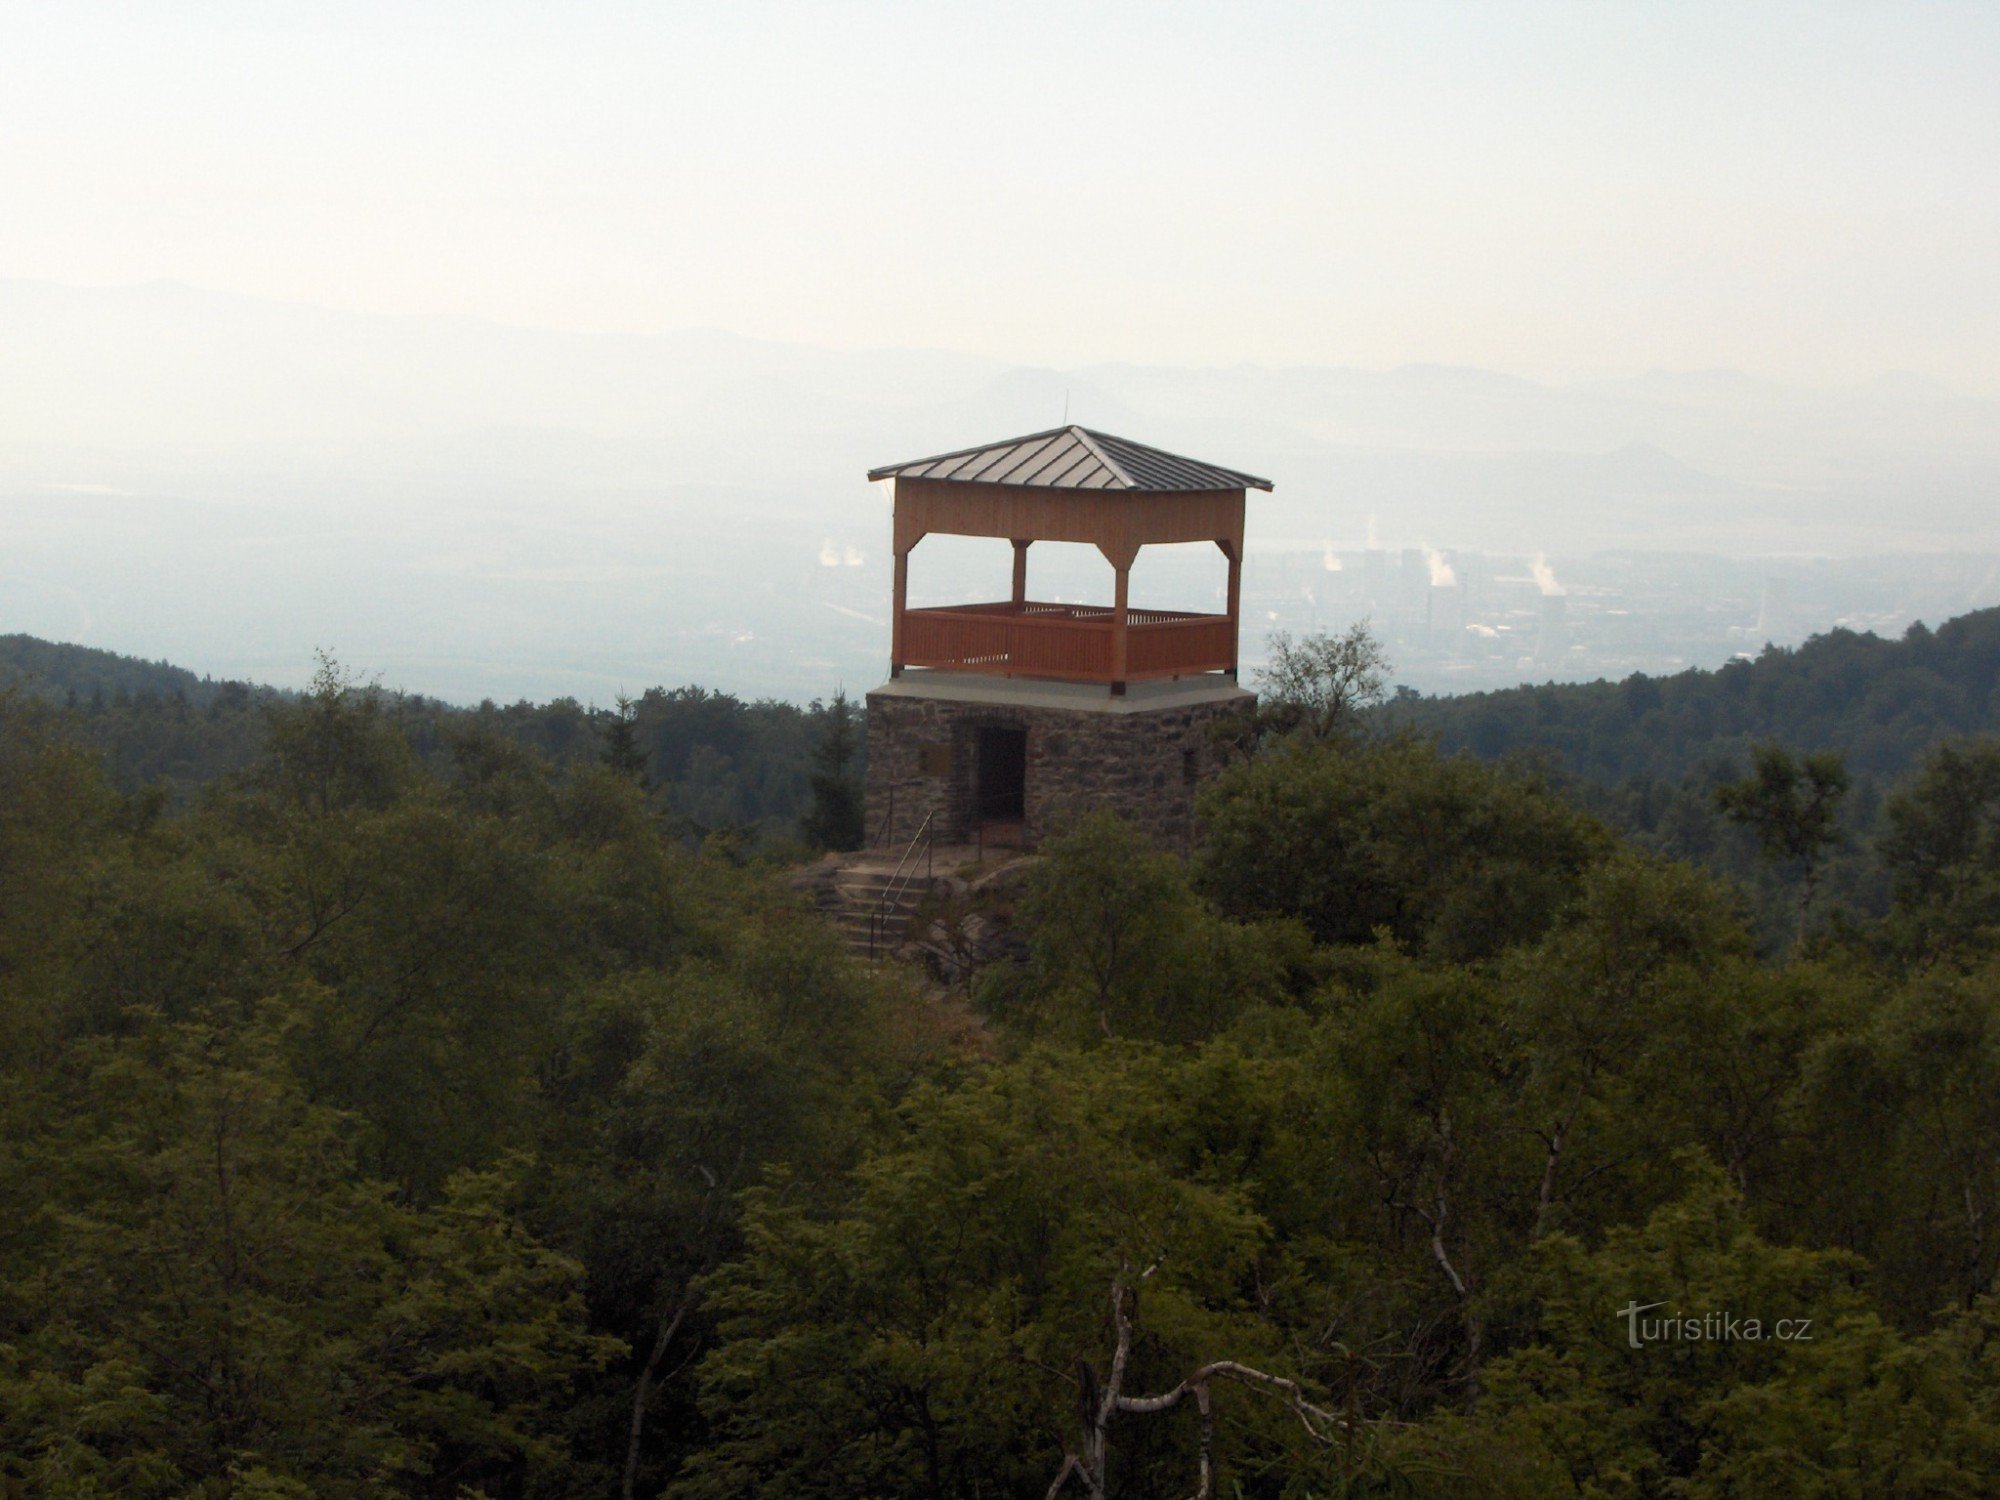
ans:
x=1074 y=458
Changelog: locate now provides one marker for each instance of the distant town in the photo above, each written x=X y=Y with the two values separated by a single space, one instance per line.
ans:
x=1458 y=621
x=1464 y=620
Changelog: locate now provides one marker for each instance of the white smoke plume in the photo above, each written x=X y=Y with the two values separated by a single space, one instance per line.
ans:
x=833 y=555
x=1545 y=576
x=1329 y=558
x=1442 y=576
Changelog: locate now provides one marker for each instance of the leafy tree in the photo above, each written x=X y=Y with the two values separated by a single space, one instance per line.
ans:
x=1320 y=685
x=53 y=808
x=1738 y=1411
x=676 y=1093
x=1119 y=945
x=1450 y=857
x=1791 y=803
x=1902 y=1099
x=938 y=1327
x=1426 y=1057
x=834 y=821
x=407 y=972
x=211 y=1295
x=1474 y=1111
x=1942 y=846
x=334 y=751
x=1864 y=1408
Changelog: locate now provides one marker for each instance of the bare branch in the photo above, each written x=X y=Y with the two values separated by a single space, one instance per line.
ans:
x=1089 y=1465
x=1205 y=1481
x=1166 y=1400
x=1071 y=1465
x=1438 y=1251
x=1294 y=1394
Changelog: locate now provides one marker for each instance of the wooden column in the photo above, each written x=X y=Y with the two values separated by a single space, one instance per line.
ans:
x=896 y=614
x=1021 y=570
x=1118 y=636
x=1234 y=552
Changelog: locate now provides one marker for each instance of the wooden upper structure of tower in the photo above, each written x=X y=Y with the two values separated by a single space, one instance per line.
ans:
x=1068 y=485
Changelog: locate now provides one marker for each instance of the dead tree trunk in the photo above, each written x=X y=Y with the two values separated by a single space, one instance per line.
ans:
x=642 y=1394
x=1089 y=1465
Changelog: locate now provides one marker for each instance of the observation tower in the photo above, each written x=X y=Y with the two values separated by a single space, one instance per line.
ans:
x=1005 y=721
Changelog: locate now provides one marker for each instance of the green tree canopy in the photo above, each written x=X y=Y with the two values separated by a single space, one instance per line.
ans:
x=1451 y=857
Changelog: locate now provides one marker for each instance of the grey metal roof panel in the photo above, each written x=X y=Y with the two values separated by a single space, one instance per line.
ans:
x=1074 y=458
x=1072 y=468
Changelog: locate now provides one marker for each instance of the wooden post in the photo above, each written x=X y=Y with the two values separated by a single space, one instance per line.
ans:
x=1021 y=570
x=896 y=616
x=1118 y=638
x=1234 y=552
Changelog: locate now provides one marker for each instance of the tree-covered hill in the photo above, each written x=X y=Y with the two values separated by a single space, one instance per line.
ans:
x=717 y=761
x=434 y=1121
x=55 y=669
x=725 y=762
x=1646 y=754
x=1879 y=703
x=1649 y=754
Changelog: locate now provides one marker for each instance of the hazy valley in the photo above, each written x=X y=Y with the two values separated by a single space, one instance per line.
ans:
x=475 y=510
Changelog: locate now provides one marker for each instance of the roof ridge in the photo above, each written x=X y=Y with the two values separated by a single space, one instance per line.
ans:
x=1026 y=437
x=1089 y=440
x=1073 y=456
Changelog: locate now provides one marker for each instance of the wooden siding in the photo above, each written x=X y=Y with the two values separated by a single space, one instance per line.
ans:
x=1117 y=523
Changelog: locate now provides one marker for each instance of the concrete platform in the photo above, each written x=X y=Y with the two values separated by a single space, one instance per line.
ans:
x=1076 y=697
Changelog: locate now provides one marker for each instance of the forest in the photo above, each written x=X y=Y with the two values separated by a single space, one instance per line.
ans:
x=426 y=1104
x=1879 y=703
x=722 y=765
x=1647 y=754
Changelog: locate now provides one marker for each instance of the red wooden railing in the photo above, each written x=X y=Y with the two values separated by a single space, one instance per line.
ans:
x=1168 y=648
x=1072 y=641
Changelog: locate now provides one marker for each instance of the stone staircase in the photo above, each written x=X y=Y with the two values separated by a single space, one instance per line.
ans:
x=977 y=887
x=850 y=891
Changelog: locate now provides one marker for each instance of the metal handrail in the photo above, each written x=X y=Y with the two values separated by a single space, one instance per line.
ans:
x=878 y=918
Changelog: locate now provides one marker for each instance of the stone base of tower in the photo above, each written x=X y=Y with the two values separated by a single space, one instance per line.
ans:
x=1012 y=757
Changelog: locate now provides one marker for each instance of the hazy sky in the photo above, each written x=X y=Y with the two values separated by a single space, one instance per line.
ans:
x=1805 y=191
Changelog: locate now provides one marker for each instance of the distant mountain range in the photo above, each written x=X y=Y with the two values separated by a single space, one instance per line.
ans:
x=165 y=381
x=236 y=481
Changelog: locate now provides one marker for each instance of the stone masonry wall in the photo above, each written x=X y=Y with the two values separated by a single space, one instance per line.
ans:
x=1143 y=763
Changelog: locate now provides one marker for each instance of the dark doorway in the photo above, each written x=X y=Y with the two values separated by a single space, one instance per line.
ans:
x=999 y=791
